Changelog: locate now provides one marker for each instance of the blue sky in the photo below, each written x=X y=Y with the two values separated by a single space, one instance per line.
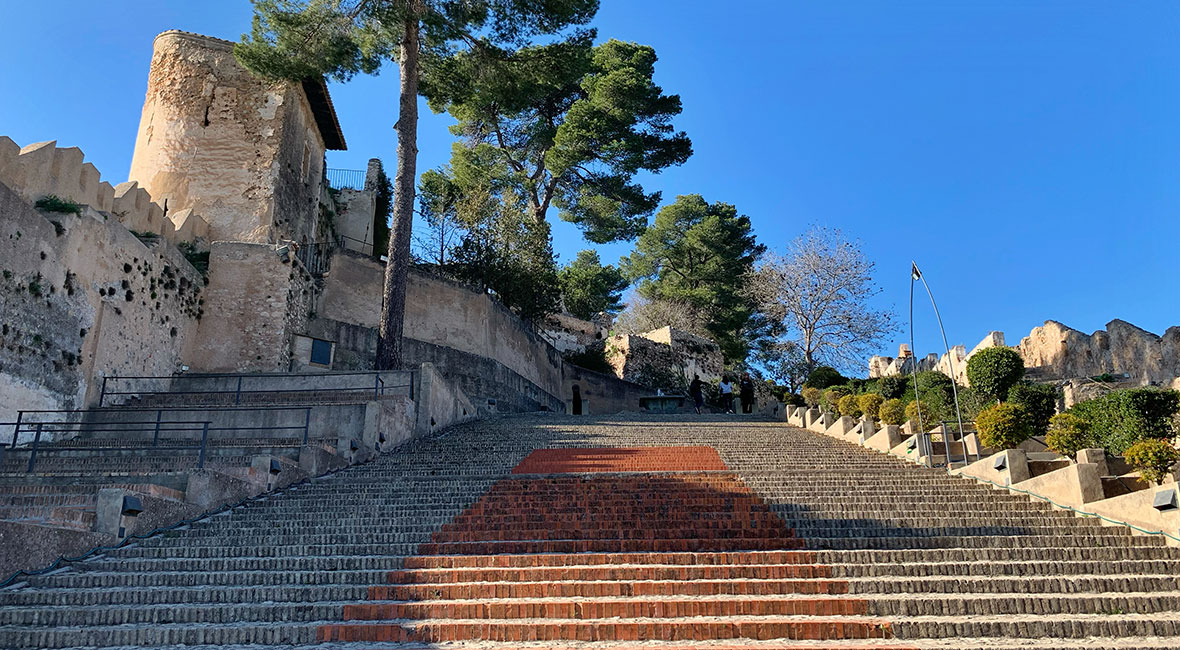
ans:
x=1025 y=153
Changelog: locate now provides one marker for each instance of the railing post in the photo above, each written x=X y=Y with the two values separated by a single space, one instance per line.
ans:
x=376 y=383
x=33 y=452
x=306 y=423
x=156 y=434
x=103 y=393
x=204 y=441
x=238 y=392
x=20 y=415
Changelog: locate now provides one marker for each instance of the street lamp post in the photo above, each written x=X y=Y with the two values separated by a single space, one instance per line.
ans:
x=915 y=274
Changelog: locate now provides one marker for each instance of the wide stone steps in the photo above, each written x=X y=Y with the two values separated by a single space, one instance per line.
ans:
x=797 y=541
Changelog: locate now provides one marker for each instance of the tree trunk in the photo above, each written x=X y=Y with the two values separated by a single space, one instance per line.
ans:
x=393 y=310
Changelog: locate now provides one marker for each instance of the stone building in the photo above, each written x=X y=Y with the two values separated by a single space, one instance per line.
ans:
x=228 y=251
x=246 y=154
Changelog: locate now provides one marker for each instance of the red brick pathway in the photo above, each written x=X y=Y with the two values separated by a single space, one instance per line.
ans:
x=683 y=551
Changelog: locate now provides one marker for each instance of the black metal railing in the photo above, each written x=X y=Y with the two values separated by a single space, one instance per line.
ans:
x=238 y=385
x=346 y=178
x=316 y=257
x=54 y=423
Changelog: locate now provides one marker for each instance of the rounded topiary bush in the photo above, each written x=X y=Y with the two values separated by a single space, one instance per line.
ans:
x=812 y=396
x=831 y=400
x=824 y=377
x=870 y=404
x=1068 y=434
x=848 y=406
x=793 y=399
x=1153 y=458
x=1003 y=426
x=892 y=411
x=992 y=371
x=927 y=415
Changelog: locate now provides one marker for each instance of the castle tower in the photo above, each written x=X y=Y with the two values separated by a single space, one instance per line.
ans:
x=244 y=153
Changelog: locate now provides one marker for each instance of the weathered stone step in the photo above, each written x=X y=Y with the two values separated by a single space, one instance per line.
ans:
x=683 y=629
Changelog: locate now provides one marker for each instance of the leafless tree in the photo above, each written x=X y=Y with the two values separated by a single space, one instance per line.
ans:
x=821 y=291
x=643 y=315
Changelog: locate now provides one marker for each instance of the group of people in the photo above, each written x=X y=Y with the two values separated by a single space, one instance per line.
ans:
x=745 y=393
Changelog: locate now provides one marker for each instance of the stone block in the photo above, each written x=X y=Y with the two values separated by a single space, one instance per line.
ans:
x=1095 y=456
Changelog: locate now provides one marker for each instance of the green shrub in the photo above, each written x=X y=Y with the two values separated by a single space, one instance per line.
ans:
x=1068 y=434
x=1153 y=458
x=870 y=404
x=1040 y=400
x=200 y=259
x=1121 y=418
x=793 y=399
x=893 y=386
x=927 y=420
x=811 y=396
x=892 y=411
x=831 y=400
x=54 y=203
x=992 y=371
x=824 y=377
x=1004 y=426
x=848 y=406
x=972 y=402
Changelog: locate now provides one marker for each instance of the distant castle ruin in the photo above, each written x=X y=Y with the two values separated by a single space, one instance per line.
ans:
x=1055 y=352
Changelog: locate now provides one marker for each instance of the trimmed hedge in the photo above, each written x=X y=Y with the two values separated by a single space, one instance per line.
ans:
x=870 y=404
x=1153 y=458
x=927 y=415
x=824 y=377
x=811 y=396
x=892 y=411
x=1121 y=418
x=1068 y=434
x=1003 y=426
x=848 y=406
x=993 y=371
x=1040 y=400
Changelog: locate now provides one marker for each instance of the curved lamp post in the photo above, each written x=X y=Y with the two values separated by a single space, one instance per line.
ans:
x=915 y=275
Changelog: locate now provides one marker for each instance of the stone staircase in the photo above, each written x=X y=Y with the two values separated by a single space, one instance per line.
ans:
x=619 y=532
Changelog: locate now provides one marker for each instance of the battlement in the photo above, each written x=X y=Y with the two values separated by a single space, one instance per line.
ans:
x=42 y=169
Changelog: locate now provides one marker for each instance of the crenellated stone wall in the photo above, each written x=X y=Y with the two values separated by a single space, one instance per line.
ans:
x=43 y=169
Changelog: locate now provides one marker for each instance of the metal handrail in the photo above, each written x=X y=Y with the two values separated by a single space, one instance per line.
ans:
x=35 y=448
x=158 y=424
x=379 y=385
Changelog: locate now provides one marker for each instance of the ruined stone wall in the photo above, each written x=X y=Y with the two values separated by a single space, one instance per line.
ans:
x=699 y=355
x=82 y=298
x=1060 y=352
x=1054 y=351
x=571 y=334
x=260 y=298
x=244 y=153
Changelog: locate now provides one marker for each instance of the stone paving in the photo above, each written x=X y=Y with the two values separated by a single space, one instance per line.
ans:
x=619 y=532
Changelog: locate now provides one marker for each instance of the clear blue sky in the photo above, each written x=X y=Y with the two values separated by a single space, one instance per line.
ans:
x=1026 y=153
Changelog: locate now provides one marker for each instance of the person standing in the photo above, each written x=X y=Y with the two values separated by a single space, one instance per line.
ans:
x=727 y=394
x=747 y=393
x=696 y=390
x=577 y=401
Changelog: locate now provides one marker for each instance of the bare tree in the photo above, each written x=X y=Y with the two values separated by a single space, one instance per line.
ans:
x=820 y=291
x=643 y=315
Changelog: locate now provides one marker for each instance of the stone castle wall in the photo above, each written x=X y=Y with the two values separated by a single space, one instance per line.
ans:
x=82 y=298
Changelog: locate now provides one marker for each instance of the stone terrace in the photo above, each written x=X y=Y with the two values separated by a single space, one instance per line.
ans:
x=685 y=532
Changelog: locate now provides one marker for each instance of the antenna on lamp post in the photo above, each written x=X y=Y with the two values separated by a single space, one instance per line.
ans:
x=916 y=275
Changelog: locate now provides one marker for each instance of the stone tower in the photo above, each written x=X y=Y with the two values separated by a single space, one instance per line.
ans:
x=245 y=153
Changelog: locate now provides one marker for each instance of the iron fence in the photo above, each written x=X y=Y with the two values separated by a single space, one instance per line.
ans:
x=345 y=178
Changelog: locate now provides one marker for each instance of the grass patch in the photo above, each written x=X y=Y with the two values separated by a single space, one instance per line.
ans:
x=54 y=203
